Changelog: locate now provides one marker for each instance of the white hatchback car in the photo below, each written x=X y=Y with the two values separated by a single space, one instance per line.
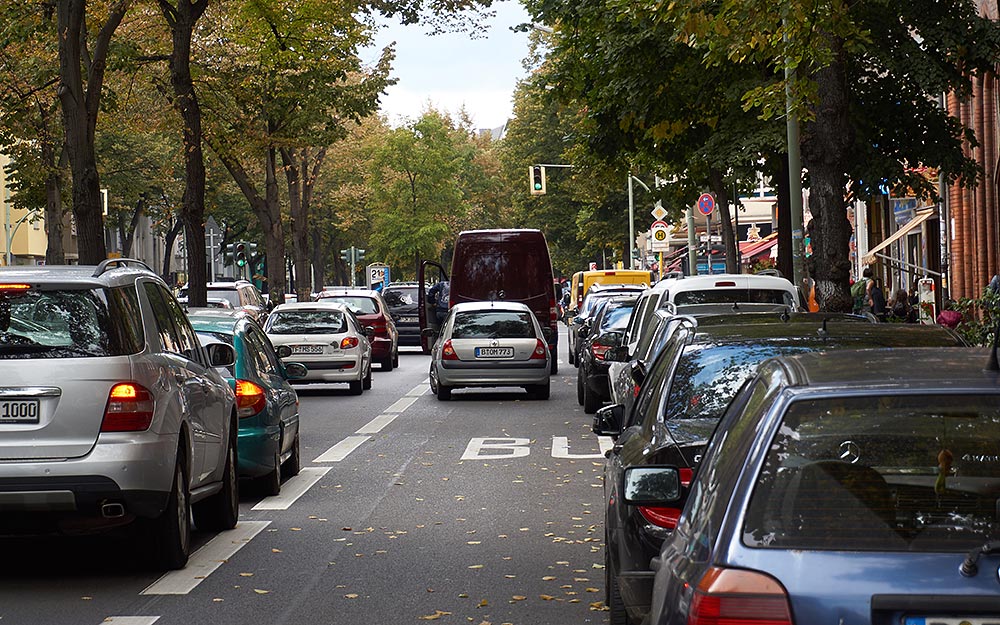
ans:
x=487 y=344
x=328 y=339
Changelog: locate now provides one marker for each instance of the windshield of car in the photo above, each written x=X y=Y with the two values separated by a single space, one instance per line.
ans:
x=229 y=295
x=730 y=296
x=358 y=304
x=494 y=324
x=306 y=322
x=69 y=323
x=400 y=296
x=892 y=473
x=616 y=316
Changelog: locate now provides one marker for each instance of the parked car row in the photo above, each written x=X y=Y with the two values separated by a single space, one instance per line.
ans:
x=754 y=441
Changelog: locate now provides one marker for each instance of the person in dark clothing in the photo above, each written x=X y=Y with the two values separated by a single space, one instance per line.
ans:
x=878 y=300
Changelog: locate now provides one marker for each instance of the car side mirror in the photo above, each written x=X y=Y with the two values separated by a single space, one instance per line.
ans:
x=430 y=334
x=651 y=485
x=370 y=332
x=609 y=420
x=638 y=372
x=221 y=355
x=295 y=370
x=283 y=351
x=616 y=354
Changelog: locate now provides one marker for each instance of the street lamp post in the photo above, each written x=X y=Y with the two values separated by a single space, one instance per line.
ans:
x=631 y=219
x=11 y=232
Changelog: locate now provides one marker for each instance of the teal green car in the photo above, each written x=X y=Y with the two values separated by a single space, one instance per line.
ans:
x=267 y=405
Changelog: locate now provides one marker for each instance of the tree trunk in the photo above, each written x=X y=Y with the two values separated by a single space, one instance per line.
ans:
x=81 y=105
x=182 y=20
x=54 y=252
x=825 y=146
x=127 y=235
x=301 y=172
x=168 y=240
x=718 y=184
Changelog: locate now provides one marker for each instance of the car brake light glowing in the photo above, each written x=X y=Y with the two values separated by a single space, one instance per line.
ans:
x=14 y=287
x=539 y=351
x=448 y=352
x=348 y=342
x=250 y=398
x=725 y=283
x=129 y=408
x=738 y=597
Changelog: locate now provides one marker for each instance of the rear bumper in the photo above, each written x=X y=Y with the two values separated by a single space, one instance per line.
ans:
x=339 y=369
x=256 y=447
x=460 y=373
x=381 y=348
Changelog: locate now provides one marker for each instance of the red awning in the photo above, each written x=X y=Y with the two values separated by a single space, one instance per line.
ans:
x=755 y=249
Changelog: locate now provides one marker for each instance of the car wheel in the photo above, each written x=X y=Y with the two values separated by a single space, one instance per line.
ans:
x=616 y=608
x=169 y=535
x=432 y=379
x=541 y=391
x=443 y=392
x=293 y=465
x=569 y=355
x=221 y=511
x=579 y=387
x=356 y=387
x=591 y=402
x=388 y=364
x=366 y=383
x=395 y=358
x=554 y=368
x=270 y=484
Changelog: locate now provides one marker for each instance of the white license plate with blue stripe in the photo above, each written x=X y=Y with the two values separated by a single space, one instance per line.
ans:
x=494 y=352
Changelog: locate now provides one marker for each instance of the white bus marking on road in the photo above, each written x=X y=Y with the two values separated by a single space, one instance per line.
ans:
x=560 y=447
x=342 y=449
x=130 y=620
x=512 y=447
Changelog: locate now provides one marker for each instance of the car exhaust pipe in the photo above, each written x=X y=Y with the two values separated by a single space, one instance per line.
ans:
x=112 y=510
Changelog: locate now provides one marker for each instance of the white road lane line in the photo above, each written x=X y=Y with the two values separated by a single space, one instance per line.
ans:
x=130 y=620
x=402 y=404
x=206 y=560
x=292 y=489
x=375 y=425
x=419 y=390
x=341 y=450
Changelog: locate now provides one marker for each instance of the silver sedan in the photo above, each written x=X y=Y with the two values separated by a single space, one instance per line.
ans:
x=489 y=344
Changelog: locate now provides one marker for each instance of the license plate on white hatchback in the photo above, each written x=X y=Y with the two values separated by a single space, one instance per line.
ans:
x=494 y=352
x=307 y=349
x=19 y=411
x=951 y=620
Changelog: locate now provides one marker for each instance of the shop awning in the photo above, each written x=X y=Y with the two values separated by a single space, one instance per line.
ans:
x=753 y=249
x=920 y=217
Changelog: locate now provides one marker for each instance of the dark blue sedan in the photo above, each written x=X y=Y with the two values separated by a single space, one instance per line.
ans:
x=267 y=405
x=851 y=487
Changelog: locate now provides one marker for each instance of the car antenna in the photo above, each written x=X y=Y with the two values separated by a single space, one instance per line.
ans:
x=992 y=364
x=823 y=331
x=736 y=307
x=785 y=315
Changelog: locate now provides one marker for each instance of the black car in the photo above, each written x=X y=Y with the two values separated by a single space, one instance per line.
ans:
x=608 y=328
x=583 y=321
x=682 y=398
x=401 y=299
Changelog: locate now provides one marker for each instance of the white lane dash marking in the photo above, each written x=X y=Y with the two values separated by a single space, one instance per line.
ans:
x=560 y=447
x=375 y=425
x=402 y=404
x=206 y=560
x=419 y=390
x=292 y=489
x=341 y=450
x=130 y=620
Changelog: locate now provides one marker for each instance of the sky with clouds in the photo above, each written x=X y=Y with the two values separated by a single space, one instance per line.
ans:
x=452 y=70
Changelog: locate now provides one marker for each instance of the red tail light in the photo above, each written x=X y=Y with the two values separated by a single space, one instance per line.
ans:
x=15 y=287
x=250 y=398
x=553 y=313
x=664 y=516
x=737 y=597
x=129 y=408
x=381 y=327
x=599 y=350
x=448 y=352
x=635 y=390
x=539 y=352
x=349 y=342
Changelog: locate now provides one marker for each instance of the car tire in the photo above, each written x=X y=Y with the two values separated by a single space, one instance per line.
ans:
x=579 y=387
x=569 y=356
x=617 y=615
x=591 y=402
x=293 y=465
x=356 y=387
x=554 y=367
x=169 y=535
x=221 y=511
x=541 y=391
x=395 y=358
x=443 y=392
x=366 y=383
x=387 y=364
x=270 y=483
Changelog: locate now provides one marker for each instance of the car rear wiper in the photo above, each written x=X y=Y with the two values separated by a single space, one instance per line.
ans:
x=969 y=566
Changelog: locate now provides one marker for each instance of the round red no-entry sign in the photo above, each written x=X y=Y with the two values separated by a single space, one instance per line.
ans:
x=706 y=203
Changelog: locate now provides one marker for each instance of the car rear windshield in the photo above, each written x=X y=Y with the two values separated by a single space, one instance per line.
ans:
x=400 y=296
x=69 y=323
x=229 y=295
x=358 y=304
x=494 y=324
x=731 y=296
x=306 y=322
x=886 y=473
x=616 y=316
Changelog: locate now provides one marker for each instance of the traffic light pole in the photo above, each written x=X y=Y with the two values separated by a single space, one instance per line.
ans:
x=354 y=260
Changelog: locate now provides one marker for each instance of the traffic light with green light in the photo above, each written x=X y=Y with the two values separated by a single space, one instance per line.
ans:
x=241 y=254
x=537 y=180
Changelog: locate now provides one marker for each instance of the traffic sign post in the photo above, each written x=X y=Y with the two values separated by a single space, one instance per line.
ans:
x=378 y=276
x=706 y=205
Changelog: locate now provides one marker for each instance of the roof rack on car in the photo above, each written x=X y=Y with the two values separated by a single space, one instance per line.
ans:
x=113 y=263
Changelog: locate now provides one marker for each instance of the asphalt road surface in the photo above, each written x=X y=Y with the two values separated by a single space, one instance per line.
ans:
x=485 y=510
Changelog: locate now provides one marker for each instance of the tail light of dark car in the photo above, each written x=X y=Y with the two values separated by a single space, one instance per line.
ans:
x=539 y=352
x=348 y=342
x=599 y=347
x=250 y=398
x=129 y=408
x=381 y=327
x=739 y=597
x=448 y=352
x=666 y=516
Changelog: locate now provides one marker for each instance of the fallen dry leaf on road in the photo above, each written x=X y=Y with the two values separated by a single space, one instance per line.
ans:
x=476 y=566
x=548 y=578
x=246 y=574
x=546 y=597
x=433 y=617
x=483 y=603
x=261 y=592
x=518 y=597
